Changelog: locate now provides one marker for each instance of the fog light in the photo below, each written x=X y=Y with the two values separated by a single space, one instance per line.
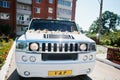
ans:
x=90 y=57
x=24 y=58
x=85 y=57
x=32 y=59
x=26 y=73
x=89 y=70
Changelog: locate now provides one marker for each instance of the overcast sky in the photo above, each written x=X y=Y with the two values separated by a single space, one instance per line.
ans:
x=88 y=10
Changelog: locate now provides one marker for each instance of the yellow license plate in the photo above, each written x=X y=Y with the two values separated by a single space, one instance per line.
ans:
x=60 y=73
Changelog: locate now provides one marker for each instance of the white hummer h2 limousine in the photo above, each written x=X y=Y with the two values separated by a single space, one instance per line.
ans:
x=54 y=48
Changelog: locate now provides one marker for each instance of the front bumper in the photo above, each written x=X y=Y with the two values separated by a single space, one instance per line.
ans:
x=41 y=68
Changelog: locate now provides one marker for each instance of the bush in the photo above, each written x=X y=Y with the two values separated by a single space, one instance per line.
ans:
x=105 y=42
x=92 y=36
x=4 y=49
x=113 y=39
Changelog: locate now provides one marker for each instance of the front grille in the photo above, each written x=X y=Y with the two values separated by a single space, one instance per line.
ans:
x=47 y=57
x=59 y=47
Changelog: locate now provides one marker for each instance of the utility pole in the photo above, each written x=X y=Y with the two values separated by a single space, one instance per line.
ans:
x=100 y=21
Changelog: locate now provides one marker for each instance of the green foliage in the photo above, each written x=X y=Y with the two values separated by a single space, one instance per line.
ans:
x=110 y=22
x=4 y=49
x=94 y=27
x=110 y=33
x=113 y=39
x=92 y=36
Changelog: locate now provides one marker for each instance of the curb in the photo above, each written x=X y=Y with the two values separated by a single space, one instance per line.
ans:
x=4 y=69
x=108 y=62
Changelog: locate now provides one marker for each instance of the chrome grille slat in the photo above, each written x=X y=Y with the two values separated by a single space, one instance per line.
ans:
x=71 y=47
x=60 y=47
x=55 y=47
x=76 y=47
x=49 y=47
x=43 y=46
x=66 y=47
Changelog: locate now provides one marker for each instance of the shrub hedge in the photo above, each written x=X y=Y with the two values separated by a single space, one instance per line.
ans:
x=4 y=49
x=113 y=54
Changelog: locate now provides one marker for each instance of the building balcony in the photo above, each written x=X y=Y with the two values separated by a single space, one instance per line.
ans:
x=21 y=11
x=64 y=15
x=24 y=23
x=25 y=1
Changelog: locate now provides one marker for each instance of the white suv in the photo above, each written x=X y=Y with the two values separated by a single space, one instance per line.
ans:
x=54 y=48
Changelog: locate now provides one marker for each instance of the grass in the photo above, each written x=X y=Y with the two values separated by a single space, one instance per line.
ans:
x=4 y=50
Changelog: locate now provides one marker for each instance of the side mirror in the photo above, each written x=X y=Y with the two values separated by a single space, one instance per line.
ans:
x=25 y=29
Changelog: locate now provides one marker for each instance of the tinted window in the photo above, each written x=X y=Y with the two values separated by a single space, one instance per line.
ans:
x=53 y=25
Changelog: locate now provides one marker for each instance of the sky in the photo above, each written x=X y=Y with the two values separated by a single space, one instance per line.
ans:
x=88 y=10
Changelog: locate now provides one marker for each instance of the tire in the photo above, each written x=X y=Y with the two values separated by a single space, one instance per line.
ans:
x=22 y=78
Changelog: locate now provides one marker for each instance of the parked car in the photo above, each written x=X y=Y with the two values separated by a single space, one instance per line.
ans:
x=54 y=48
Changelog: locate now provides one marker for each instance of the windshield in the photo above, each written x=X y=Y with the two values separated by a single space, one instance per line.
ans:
x=53 y=25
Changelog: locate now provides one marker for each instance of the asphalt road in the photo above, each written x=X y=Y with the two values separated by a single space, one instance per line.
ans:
x=101 y=71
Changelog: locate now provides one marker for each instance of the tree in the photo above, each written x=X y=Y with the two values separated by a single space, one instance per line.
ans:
x=94 y=27
x=110 y=21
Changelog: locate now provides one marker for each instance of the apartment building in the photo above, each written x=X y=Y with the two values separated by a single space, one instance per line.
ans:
x=18 y=13
x=7 y=13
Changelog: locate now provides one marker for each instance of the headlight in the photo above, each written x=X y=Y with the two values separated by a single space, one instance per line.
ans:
x=83 y=47
x=34 y=46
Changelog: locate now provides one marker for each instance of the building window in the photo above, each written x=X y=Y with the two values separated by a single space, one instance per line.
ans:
x=50 y=10
x=38 y=1
x=5 y=4
x=37 y=10
x=65 y=3
x=64 y=11
x=51 y=1
x=5 y=16
x=21 y=17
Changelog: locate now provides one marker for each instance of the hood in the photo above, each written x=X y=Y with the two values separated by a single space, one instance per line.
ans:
x=55 y=35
